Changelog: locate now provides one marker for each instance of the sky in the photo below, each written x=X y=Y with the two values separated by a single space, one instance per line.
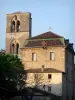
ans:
x=59 y=15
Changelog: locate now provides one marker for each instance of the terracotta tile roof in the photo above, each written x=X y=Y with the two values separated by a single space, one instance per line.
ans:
x=43 y=43
x=46 y=35
x=46 y=70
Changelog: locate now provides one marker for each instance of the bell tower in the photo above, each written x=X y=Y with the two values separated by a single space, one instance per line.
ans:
x=18 y=29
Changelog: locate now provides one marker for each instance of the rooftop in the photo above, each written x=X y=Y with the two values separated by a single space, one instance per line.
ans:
x=46 y=70
x=47 y=35
x=45 y=39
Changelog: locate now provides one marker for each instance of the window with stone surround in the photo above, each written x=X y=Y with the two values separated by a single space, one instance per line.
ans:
x=49 y=76
x=18 y=26
x=51 y=55
x=12 y=48
x=17 y=48
x=33 y=56
x=13 y=26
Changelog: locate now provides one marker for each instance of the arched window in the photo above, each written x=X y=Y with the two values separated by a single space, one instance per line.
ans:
x=17 y=48
x=13 y=26
x=18 y=26
x=13 y=48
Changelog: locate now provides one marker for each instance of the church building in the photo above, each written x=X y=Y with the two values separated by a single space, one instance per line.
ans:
x=48 y=58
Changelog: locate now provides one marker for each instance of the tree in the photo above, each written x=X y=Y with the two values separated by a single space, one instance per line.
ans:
x=39 y=79
x=12 y=72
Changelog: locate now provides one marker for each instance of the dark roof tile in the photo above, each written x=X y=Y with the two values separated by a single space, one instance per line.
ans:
x=46 y=70
x=42 y=43
x=46 y=35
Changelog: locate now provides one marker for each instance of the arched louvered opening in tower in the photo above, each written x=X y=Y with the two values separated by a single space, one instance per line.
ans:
x=18 y=26
x=17 y=48
x=13 y=26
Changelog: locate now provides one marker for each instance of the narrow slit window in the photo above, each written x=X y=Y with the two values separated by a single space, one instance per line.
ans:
x=17 y=48
x=18 y=26
x=13 y=26
x=13 y=47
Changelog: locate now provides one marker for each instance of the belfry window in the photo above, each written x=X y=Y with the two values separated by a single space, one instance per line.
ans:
x=13 y=26
x=18 y=26
x=17 y=48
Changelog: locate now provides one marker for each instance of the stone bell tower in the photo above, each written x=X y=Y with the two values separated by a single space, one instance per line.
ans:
x=18 y=29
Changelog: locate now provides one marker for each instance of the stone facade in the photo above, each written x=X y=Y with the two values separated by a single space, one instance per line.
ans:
x=63 y=61
x=55 y=82
x=23 y=33
x=25 y=21
x=43 y=58
x=59 y=66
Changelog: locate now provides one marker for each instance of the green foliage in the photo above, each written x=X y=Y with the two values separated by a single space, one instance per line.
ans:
x=11 y=71
x=10 y=61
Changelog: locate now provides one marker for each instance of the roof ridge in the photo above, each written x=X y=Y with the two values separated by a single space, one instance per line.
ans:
x=37 y=35
x=56 y=34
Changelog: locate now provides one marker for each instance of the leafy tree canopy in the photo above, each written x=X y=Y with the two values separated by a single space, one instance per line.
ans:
x=11 y=71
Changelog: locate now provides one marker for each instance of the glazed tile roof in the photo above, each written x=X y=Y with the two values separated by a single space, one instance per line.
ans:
x=46 y=70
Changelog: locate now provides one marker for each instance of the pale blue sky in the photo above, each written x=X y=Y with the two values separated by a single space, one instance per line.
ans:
x=57 y=14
